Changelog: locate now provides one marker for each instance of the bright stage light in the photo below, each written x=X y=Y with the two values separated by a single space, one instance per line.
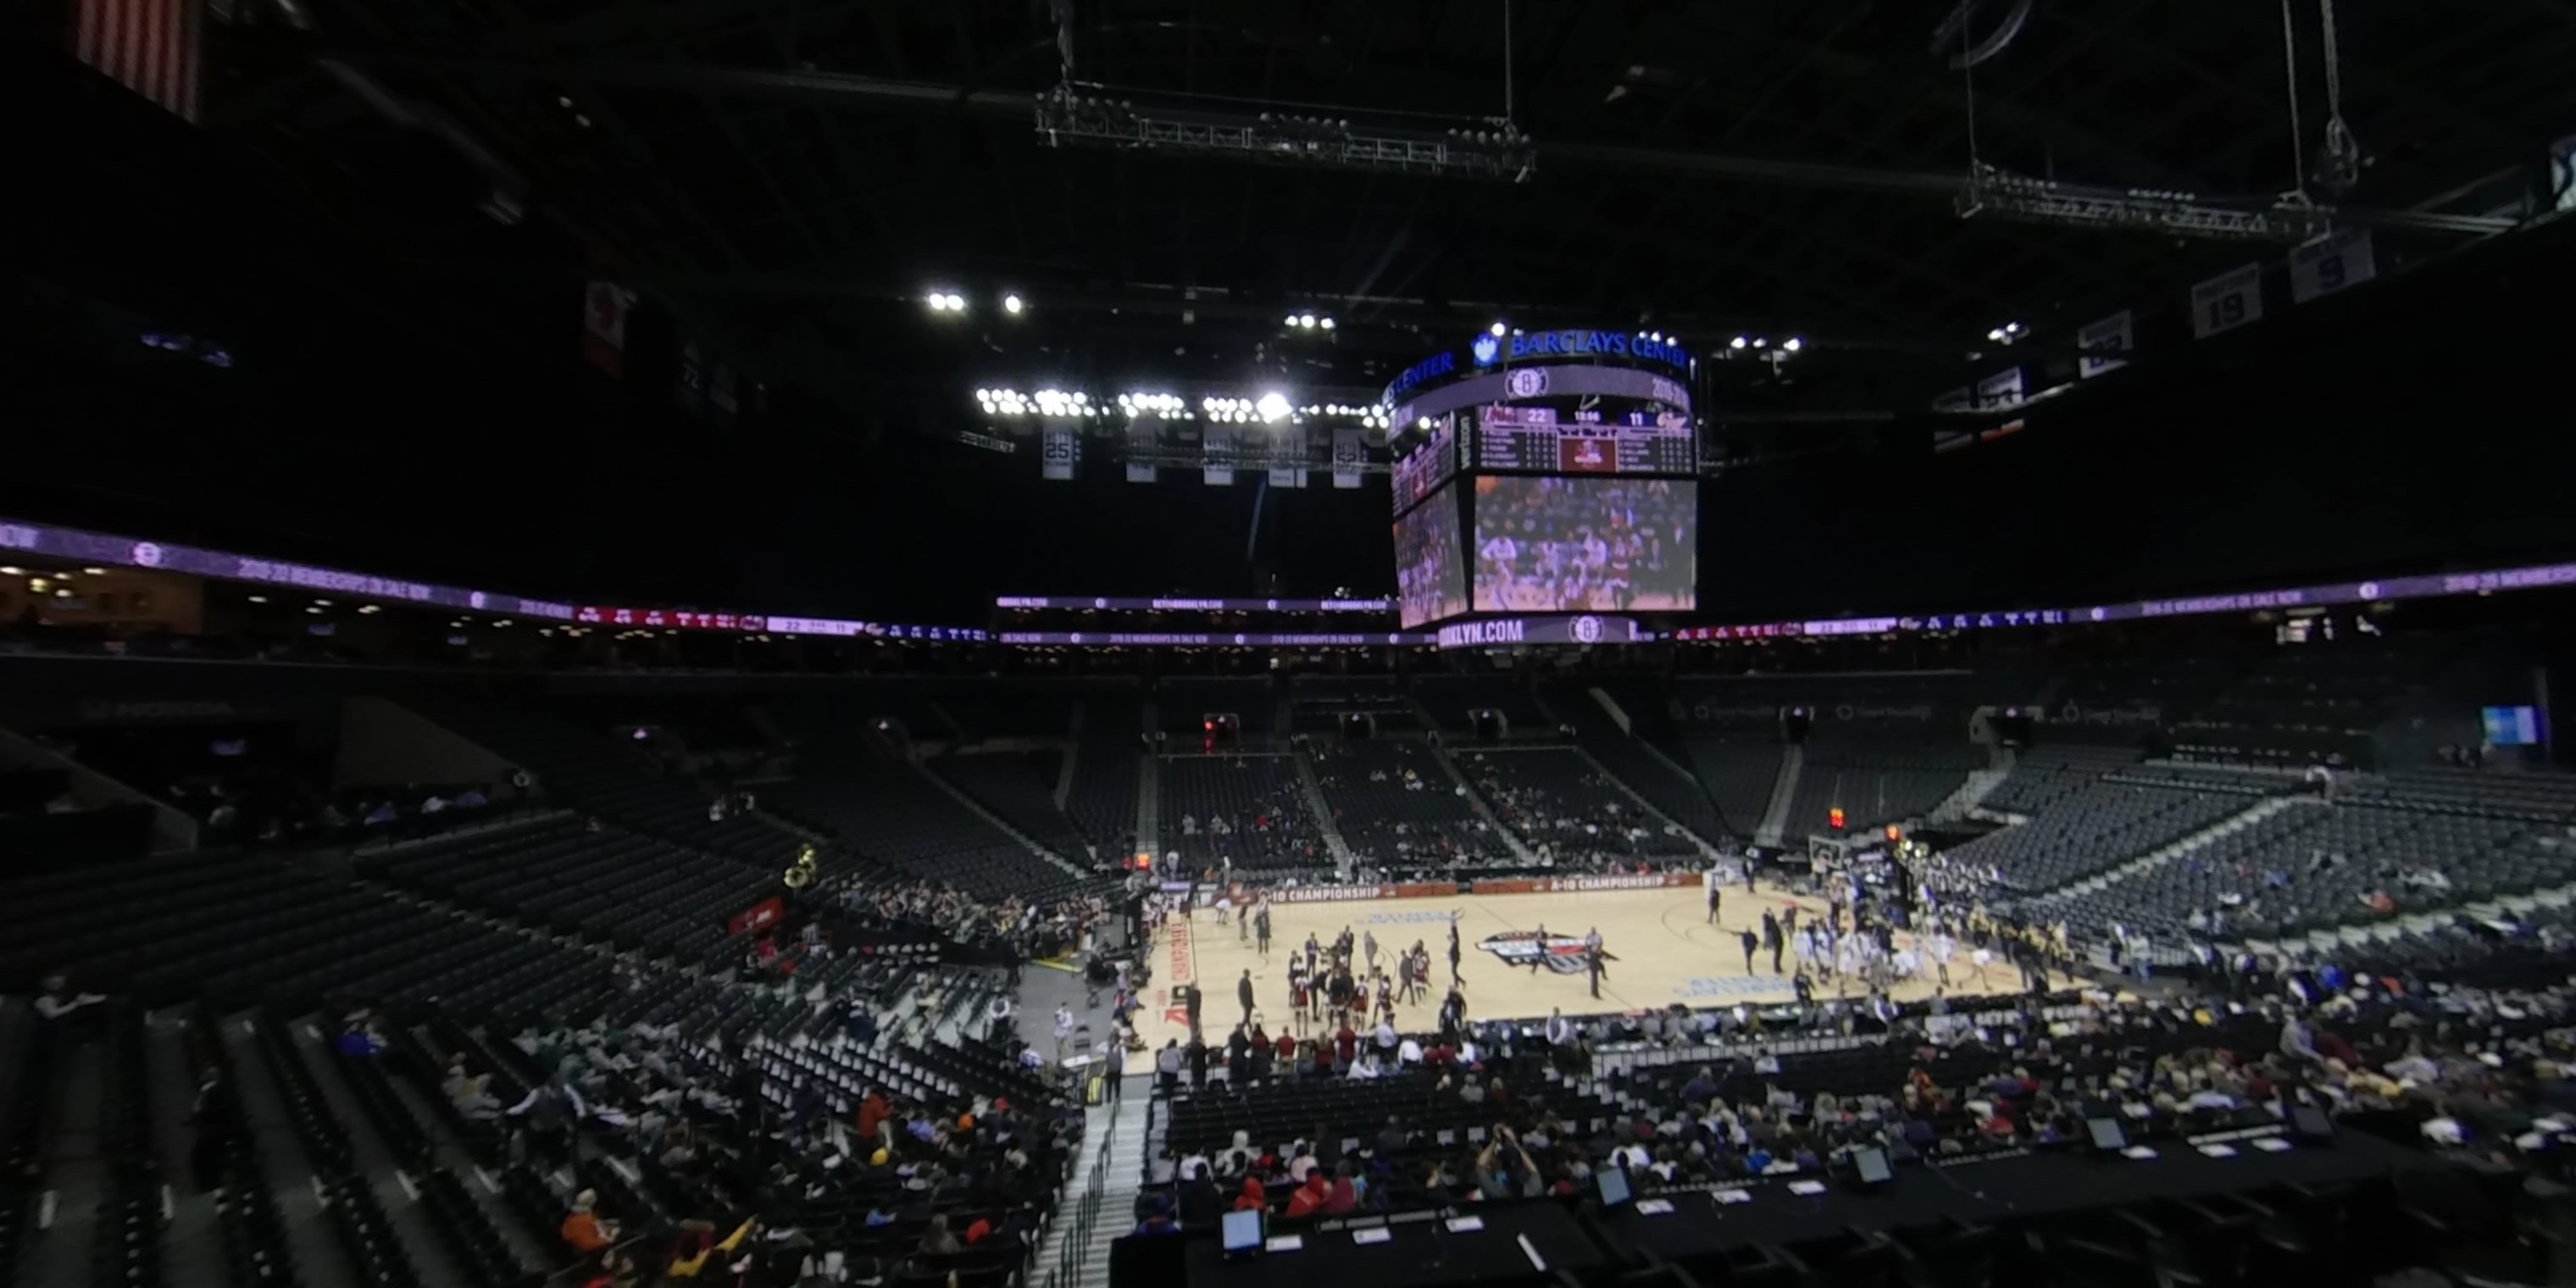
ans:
x=1793 y=344
x=1327 y=324
x=1496 y=330
x=1736 y=343
x=1011 y=304
x=1306 y=321
x=1290 y=320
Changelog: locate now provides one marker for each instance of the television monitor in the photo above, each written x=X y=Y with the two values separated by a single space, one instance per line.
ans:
x=1430 y=563
x=2107 y=1134
x=1585 y=545
x=1241 y=1232
x=2311 y=1123
x=2511 y=726
x=1614 y=1186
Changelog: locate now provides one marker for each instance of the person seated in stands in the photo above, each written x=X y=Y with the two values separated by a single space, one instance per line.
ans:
x=58 y=1003
x=468 y=1092
x=1311 y=1195
x=359 y=1038
x=1199 y=1201
x=582 y=1230
x=612 y=1269
x=937 y=1240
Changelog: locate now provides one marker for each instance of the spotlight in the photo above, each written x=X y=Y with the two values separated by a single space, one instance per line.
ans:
x=1290 y=320
x=1306 y=321
x=1759 y=341
x=1327 y=324
x=1793 y=344
x=1496 y=330
x=1736 y=343
x=1011 y=304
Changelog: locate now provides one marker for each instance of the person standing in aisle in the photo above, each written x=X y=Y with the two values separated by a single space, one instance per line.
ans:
x=1243 y=994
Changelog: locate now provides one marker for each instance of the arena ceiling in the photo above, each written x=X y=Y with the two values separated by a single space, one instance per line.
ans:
x=792 y=175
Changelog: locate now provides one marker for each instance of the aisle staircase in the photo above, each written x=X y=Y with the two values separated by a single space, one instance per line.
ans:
x=2176 y=848
x=1322 y=810
x=1149 y=792
x=1520 y=850
x=995 y=821
x=1647 y=807
x=1973 y=792
x=1784 y=790
x=1074 y=1253
x=1072 y=753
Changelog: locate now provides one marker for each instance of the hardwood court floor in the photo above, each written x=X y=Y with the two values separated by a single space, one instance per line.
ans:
x=1662 y=950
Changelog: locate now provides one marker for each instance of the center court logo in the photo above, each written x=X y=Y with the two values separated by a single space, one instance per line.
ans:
x=1562 y=954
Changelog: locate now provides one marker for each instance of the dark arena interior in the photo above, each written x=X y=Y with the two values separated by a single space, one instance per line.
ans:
x=1130 y=643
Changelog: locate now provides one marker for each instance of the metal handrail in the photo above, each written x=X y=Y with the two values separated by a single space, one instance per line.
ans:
x=1071 y=1250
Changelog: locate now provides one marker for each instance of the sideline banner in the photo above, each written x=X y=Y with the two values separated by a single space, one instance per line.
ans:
x=1576 y=885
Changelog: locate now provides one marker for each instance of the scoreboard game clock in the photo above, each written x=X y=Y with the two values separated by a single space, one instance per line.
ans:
x=1537 y=440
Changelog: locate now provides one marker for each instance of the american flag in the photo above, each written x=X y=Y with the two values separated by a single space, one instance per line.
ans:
x=148 y=46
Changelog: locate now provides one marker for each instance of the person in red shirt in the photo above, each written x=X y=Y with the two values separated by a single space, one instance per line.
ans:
x=1311 y=1196
x=1254 y=1198
x=1346 y=1045
x=1343 y=1197
x=872 y=1112
x=1287 y=1049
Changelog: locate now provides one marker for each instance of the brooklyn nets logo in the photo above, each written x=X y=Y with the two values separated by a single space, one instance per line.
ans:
x=1560 y=953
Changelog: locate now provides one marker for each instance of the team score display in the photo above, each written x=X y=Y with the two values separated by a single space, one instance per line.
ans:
x=1531 y=439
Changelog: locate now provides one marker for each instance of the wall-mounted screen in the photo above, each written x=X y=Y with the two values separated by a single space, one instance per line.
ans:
x=1430 y=562
x=1586 y=545
x=2511 y=726
x=1432 y=461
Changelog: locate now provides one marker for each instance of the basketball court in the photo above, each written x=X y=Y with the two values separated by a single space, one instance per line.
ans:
x=1661 y=947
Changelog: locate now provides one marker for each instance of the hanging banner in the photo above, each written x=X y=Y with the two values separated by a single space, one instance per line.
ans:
x=603 y=325
x=148 y=46
x=1291 y=477
x=1059 y=448
x=692 y=387
x=1144 y=438
x=2227 y=301
x=2117 y=334
x=1218 y=444
x=2001 y=391
x=720 y=395
x=1350 y=452
x=2331 y=263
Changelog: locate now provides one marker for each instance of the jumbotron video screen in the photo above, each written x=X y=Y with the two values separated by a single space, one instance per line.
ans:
x=1586 y=544
x=1430 y=573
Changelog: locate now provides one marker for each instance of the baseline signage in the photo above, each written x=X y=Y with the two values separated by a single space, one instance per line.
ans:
x=754 y=623
x=1586 y=628
x=1120 y=604
x=1215 y=639
x=76 y=546
x=2332 y=594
